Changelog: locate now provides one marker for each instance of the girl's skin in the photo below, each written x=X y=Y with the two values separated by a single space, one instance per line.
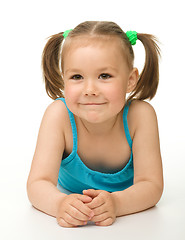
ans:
x=97 y=77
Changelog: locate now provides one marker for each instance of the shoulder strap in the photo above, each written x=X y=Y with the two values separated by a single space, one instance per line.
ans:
x=125 y=123
x=73 y=125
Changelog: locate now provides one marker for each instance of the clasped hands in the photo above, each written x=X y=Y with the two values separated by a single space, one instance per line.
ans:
x=97 y=206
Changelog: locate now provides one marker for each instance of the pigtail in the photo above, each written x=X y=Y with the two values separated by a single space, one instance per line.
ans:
x=149 y=78
x=51 y=66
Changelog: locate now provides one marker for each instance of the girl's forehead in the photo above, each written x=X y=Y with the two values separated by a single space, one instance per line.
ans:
x=85 y=41
x=108 y=47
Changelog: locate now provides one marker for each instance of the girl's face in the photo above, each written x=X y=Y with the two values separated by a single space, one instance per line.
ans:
x=96 y=79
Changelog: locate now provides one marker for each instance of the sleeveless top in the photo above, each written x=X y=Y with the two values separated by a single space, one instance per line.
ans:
x=75 y=176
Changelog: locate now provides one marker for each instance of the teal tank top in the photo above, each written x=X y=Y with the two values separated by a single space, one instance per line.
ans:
x=75 y=176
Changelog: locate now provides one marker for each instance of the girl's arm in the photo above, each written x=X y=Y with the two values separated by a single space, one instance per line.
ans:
x=42 y=180
x=70 y=210
x=148 y=173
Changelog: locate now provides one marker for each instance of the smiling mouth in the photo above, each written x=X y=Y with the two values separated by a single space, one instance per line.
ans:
x=92 y=104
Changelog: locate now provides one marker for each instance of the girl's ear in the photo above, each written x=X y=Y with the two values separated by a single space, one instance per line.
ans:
x=133 y=79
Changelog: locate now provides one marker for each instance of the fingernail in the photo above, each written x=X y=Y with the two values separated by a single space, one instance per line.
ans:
x=85 y=223
x=91 y=215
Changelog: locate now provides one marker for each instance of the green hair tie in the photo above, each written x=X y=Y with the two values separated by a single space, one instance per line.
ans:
x=65 y=34
x=132 y=36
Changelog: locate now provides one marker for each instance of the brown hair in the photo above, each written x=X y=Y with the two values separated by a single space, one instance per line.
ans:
x=52 y=58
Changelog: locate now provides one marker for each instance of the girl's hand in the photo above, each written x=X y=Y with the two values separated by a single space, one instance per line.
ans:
x=103 y=206
x=73 y=211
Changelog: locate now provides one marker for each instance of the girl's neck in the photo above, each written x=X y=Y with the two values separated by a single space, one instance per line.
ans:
x=100 y=129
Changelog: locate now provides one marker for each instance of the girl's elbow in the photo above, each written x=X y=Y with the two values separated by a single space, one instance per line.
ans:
x=158 y=193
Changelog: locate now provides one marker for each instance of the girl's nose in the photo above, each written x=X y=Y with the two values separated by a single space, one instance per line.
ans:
x=90 y=88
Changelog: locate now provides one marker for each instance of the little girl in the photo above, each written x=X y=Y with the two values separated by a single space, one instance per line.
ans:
x=92 y=141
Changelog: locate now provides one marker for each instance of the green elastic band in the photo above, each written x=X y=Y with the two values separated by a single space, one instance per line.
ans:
x=65 y=34
x=132 y=36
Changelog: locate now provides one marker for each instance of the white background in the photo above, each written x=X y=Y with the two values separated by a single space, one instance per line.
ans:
x=24 y=27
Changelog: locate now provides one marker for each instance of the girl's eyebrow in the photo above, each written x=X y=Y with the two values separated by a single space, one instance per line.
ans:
x=107 y=69
x=72 y=70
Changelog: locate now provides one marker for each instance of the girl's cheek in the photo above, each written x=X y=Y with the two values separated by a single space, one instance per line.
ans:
x=68 y=90
x=116 y=93
x=71 y=95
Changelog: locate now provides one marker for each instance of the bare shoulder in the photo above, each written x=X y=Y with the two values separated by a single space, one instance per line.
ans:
x=141 y=108
x=141 y=115
x=55 y=122
x=56 y=114
x=57 y=110
x=141 y=111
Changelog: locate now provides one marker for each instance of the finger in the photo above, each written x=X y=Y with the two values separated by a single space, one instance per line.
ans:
x=99 y=210
x=84 y=198
x=73 y=221
x=83 y=208
x=101 y=217
x=107 y=222
x=81 y=212
x=96 y=202
x=63 y=223
x=91 y=192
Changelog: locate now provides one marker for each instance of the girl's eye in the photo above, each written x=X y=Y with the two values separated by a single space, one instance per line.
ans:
x=76 y=77
x=104 y=76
